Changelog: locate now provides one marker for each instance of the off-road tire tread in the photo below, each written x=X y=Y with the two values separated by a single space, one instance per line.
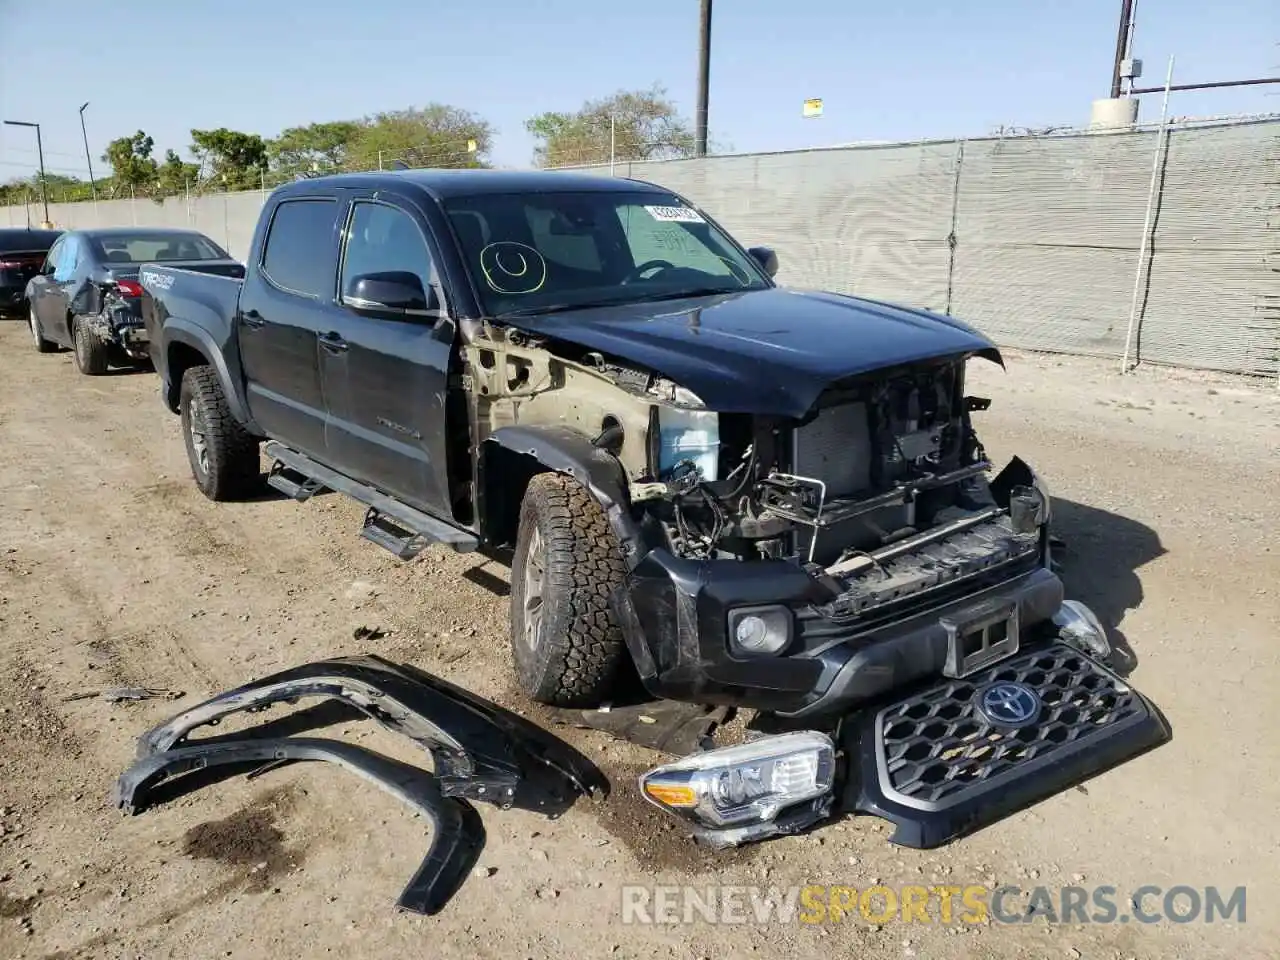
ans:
x=234 y=463
x=578 y=661
x=98 y=350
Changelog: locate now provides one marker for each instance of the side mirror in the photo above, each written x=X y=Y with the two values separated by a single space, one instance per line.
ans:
x=767 y=259
x=395 y=291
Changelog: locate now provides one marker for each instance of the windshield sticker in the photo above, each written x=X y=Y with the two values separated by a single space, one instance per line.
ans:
x=675 y=214
x=674 y=238
x=513 y=268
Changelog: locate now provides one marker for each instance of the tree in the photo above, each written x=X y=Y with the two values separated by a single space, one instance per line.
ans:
x=132 y=165
x=436 y=135
x=646 y=126
x=230 y=159
x=175 y=174
x=318 y=147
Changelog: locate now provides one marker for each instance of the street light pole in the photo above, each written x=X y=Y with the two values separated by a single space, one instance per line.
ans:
x=44 y=188
x=704 y=80
x=87 y=159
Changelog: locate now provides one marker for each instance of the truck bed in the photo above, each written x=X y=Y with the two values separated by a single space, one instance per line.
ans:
x=206 y=299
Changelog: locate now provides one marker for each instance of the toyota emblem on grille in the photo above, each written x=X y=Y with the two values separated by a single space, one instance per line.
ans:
x=1008 y=704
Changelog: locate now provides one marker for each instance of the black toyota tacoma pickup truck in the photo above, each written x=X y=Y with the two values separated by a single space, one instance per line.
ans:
x=757 y=496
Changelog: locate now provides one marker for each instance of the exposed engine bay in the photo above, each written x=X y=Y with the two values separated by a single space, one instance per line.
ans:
x=881 y=491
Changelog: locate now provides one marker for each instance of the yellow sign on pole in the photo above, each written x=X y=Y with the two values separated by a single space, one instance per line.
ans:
x=471 y=146
x=813 y=107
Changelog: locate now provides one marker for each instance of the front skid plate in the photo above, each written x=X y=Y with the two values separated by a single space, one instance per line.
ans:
x=935 y=766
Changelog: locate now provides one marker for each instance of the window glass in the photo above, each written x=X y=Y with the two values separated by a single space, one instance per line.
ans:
x=153 y=247
x=299 y=250
x=55 y=253
x=383 y=240
x=68 y=257
x=550 y=250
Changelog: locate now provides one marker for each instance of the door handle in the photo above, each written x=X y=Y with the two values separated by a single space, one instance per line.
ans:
x=253 y=318
x=333 y=342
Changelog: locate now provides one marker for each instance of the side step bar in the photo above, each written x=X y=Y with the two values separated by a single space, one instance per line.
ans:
x=391 y=524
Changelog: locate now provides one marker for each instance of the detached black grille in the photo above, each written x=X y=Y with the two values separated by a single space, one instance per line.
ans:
x=938 y=745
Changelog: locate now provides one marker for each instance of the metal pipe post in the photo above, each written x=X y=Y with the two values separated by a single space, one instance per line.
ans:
x=1161 y=140
x=704 y=80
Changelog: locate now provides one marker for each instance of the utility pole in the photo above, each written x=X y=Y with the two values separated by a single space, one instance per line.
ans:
x=1122 y=44
x=44 y=188
x=87 y=159
x=704 y=80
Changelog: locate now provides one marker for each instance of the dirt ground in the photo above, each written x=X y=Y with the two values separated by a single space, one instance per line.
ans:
x=114 y=570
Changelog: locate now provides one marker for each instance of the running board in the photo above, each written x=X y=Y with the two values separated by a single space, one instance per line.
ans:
x=291 y=483
x=391 y=524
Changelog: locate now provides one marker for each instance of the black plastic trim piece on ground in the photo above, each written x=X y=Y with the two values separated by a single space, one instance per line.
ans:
x=1090 y=749
x=476 y=745
x=457 y=832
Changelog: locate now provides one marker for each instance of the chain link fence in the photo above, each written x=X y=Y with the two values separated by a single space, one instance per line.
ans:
x=1036 y=240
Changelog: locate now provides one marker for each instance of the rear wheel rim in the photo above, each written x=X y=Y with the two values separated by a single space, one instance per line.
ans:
x=534 y=575
x=199 y=443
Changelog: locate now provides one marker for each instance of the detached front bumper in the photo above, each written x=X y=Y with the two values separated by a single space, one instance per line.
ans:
x=675 y=616
x=936 y=765
x=939 y=760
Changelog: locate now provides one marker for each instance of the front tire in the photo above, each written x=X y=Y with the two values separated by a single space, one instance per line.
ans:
x=92 y=352
x=223 y=455
x=566 y=644
x=42 y=345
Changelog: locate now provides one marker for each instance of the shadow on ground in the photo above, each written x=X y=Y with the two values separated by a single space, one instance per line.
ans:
x=1099 y=565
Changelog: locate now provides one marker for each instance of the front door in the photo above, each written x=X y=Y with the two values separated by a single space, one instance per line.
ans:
x=284 y=303
x=54 y=289
x=385 y=375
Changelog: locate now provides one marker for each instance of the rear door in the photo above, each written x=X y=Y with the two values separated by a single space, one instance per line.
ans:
x=286 y=300
x=385 y=375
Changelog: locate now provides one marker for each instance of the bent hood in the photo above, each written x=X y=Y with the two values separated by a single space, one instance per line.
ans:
x=766 y=352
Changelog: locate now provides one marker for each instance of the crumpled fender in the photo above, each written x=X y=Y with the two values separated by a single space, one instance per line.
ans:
x=476 y=746
x=566 y=450
x=457 y=832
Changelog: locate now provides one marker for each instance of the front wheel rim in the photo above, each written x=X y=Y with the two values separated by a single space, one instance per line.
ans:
x=35 y=326
x=534 y=575
x=199 y=443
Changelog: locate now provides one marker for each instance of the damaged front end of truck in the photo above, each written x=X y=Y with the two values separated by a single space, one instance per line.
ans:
x=831 y=546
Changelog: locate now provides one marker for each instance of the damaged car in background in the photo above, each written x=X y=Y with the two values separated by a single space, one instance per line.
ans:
x=746 y=495
x=86 y=295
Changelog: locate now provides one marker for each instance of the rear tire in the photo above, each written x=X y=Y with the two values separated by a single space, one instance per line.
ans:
x=42 y=345
x=223 y=455
x=566 y=644
x=92 y=352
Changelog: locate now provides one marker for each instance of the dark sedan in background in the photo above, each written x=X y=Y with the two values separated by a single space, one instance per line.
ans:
x=86 y=296
x=22 y=251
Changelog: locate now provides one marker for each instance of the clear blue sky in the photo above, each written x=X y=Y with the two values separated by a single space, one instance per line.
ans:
x=885 y=69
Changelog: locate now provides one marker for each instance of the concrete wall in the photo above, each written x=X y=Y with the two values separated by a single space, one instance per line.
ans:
x=1035 y=240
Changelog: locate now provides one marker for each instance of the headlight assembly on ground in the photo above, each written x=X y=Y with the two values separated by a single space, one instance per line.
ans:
x=1080 y=627
x=772 y=785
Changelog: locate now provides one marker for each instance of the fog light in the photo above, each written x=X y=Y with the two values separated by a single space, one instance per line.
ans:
x=1080 y=627
x=759 y=631
x=771 y=785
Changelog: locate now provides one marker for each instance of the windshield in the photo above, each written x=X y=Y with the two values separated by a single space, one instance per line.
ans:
x=143 y=247
x=555 y=251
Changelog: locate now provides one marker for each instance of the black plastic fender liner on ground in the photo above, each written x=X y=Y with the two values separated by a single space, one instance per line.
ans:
x=457 y=832
x=935 y=766
x=477 y=747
